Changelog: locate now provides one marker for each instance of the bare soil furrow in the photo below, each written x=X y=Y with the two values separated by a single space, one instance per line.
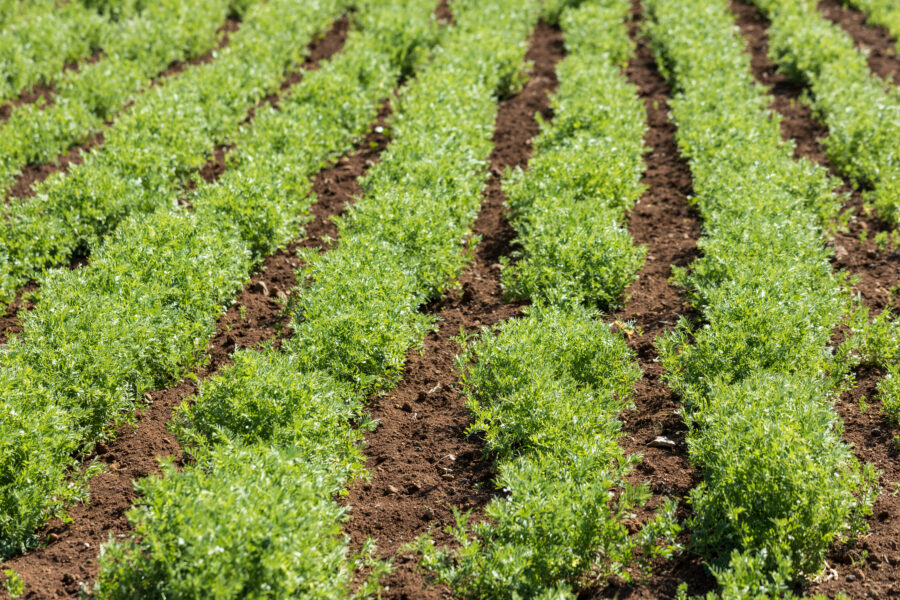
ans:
x=874 y=39
x=867 y=430
x=665 y=222
x=68 y=558
x=421 y=460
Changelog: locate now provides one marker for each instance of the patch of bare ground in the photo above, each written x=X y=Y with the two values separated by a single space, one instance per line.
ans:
x=868 y=431
x=421 y=460
x=67 y=557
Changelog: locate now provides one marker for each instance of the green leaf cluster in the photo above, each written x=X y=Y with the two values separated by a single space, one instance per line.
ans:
x=758 y=377
x=861 y=110
x=569 y=206
x=39 y=39
x=355 y=319
x=135 y=50
x=153 y=149
x=140 y=314
x=546 y=390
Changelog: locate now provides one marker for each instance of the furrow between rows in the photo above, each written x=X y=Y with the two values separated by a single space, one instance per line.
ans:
x=422 y=461
x=865 y=427
x=876 y=41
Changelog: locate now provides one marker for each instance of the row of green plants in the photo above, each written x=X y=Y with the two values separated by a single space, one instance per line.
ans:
x=885 y=13
x=861 y=110
x=141 y=313
x=39 y=39
x=758 y=376
x=294 y=418
x=158 y=144
x=546 y=390
x=136 y=49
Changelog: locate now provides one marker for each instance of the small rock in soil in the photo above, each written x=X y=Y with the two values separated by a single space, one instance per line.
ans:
x=662 y=441
x=840 y=253
x=260 y=287
x=392 y=489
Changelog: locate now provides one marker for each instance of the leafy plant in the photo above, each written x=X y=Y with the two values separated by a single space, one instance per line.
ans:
x=858 y=107
x=356 y=316
x=758 y=377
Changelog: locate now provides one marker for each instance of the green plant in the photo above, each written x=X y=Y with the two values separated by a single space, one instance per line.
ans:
x=858 y=107
x=356 y=316
x=758 y=375
x=13 y=584
x=135 y=49
x=140 y=314
x=155 y=147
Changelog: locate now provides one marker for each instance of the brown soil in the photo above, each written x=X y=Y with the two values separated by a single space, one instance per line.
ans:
x=10 y=324
x=38 y=92
x=23 y=186
x=68 y=556
x=443 y=13
x=876 y=40
x=663 y=221
x=869 y=432
x=421 y=461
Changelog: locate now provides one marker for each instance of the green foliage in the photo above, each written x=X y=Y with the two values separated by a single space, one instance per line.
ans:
x=569 y=206
x=759 y=376
x=135 y=50
x=140 y=314
x=876 y=342
x=40 y=39
x=151 y=150
x=859 y=108
x=355 y=319
x=258 y=522
x=546 y=391
x=13 y=584
x=783 y=491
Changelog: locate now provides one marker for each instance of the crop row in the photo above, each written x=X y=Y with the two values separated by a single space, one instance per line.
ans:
x=138 y=48
x=546 y=389
x=880 y=12
x=274 y=434
x=861 y=110
x=758 y=379
x=140 y=314
x=152 y=150
x=39 y=39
